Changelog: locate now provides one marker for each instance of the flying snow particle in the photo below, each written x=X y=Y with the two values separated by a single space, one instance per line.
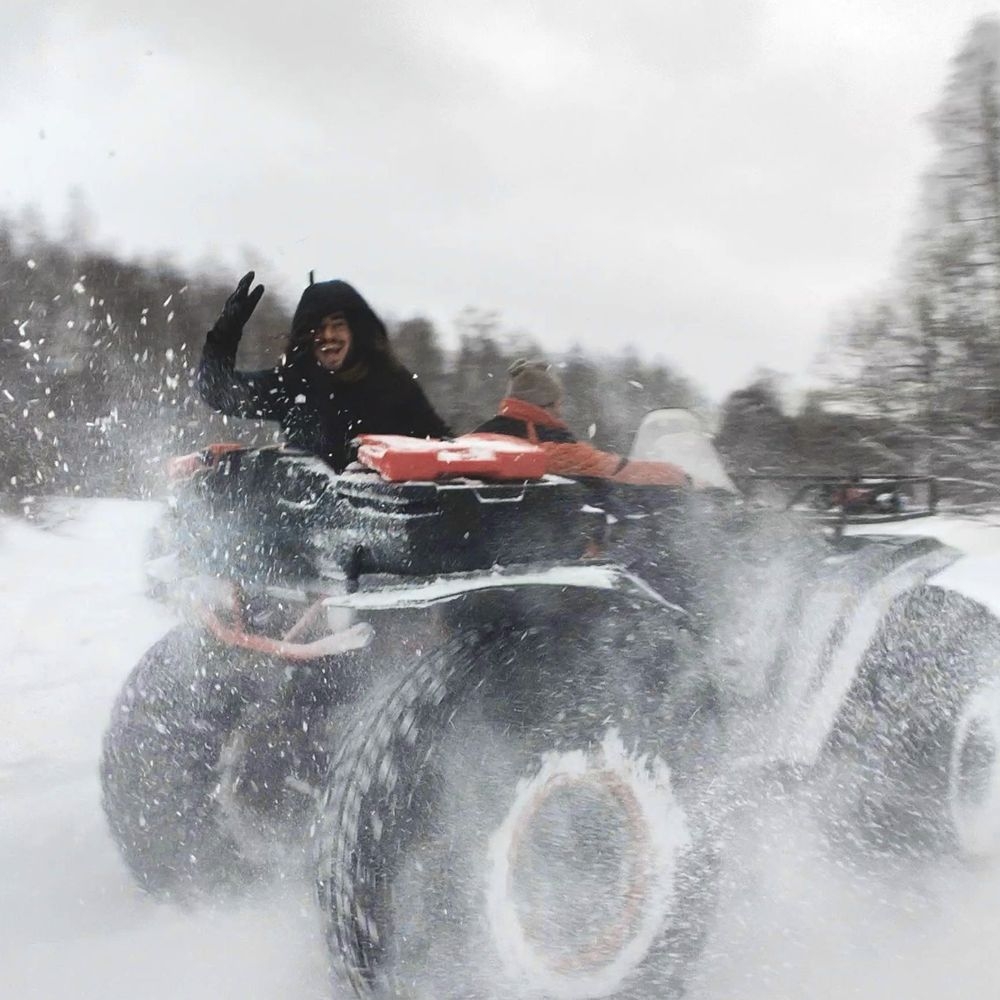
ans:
x=78 y=288
x=166 y=301
x=170 y=316
x=31 y=264
x=591 y=430
x=169 y=353
x=636 y=385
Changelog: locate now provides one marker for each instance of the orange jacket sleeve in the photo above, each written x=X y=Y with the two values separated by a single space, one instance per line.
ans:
x=581 y=459
x=652 y=474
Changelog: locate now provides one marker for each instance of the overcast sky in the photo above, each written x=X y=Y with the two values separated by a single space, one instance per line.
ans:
x=709 y=179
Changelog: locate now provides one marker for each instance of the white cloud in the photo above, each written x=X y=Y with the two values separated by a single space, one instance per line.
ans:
x=709 y=178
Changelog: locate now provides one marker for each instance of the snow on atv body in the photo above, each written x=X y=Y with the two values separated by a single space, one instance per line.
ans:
x=529 y=757
x=888 y=699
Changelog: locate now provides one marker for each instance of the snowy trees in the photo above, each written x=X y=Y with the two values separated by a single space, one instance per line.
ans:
x=95 y=363
x=925 y=356
x=97 y=356
x=955 y=277
x=755 y=435
x=958 y=252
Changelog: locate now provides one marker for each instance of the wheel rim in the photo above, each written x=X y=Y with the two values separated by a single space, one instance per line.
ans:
x=974 y=775
x=582 y=870
x=261 y=808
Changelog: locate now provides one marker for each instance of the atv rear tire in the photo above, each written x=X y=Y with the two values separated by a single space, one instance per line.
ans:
x=914 y=757
x=505 y=798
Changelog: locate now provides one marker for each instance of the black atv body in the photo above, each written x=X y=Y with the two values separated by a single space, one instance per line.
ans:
x=524 y=749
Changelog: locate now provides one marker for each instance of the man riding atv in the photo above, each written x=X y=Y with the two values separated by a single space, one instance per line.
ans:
x=337 y=379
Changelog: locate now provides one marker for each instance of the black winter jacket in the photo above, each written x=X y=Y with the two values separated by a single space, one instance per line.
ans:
x=321 y=411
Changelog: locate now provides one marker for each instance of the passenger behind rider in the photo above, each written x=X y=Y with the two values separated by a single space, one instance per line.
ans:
x=532 y=409
x=338 y=377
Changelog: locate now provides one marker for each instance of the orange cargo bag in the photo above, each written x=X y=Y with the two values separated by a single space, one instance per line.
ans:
x=481 y=456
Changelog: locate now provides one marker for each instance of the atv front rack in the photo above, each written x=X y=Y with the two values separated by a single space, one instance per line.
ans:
x=222 y=608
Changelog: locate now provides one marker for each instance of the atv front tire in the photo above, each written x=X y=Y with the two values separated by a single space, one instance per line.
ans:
x=159 y=768
x=506 y=799
x=913 y=762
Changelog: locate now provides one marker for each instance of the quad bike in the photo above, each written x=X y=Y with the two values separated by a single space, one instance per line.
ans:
x=507 y=717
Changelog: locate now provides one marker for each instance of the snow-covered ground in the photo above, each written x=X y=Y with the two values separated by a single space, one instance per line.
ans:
x=978 y=535
x=795 y=924
x=72 y=925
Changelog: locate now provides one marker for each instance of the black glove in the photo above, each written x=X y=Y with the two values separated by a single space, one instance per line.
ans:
x=238 y=309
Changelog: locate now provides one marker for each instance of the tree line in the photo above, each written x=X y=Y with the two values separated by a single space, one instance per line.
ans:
x=97 y=361
x=97 y=353
x=911 y=376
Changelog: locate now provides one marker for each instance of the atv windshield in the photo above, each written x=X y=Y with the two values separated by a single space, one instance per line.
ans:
x=677 y=436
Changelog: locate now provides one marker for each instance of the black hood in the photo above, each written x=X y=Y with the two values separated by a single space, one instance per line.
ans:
x=369 y=338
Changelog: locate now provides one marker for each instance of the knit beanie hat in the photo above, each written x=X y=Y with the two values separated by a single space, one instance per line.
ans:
x=534 y=382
